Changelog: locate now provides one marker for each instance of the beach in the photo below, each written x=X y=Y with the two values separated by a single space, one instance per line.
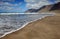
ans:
x=46 y=28
x=14 y=22
x=29 y=19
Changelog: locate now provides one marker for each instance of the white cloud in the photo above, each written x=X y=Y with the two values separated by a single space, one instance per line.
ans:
x=35 y=4
x=9 y=4
x=6 y=6
x=8 y=0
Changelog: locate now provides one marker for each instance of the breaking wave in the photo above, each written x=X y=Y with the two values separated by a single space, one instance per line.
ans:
x=14 y=22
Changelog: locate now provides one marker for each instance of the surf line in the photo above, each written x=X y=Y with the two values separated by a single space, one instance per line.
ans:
x=23 y=26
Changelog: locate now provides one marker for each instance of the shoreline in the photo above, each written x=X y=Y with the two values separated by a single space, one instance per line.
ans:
x=25 y=13
x=25 y=25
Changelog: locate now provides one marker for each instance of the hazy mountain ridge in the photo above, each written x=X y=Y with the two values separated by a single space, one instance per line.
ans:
x=46 y=8
x=35 y=10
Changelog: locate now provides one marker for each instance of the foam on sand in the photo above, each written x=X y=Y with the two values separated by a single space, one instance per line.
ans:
x=28 y=23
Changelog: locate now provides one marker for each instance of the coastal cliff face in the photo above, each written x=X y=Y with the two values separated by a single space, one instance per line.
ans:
x=46 y=8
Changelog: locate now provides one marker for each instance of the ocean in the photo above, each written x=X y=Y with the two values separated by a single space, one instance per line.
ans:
x=13 y=22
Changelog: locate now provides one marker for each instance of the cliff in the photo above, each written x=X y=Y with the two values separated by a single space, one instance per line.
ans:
x=46 y=8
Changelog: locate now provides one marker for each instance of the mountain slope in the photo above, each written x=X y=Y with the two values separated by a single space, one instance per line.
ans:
x=46 y=8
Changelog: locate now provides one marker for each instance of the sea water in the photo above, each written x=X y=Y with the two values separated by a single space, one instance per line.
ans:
x=13 y=22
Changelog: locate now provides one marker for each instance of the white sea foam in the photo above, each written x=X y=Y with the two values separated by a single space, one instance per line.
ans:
x=26 y=13
x=36 y=18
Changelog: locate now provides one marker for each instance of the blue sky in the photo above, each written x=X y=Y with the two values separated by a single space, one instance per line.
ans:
x=12 y=6
x=22 y=5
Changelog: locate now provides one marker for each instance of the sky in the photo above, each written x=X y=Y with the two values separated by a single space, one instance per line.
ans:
x=23 y=5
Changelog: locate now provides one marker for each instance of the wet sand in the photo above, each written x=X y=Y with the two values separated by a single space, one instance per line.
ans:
x=46 y=28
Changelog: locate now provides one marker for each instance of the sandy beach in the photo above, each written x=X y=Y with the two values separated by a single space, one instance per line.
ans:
x=46 y=28
x=29 y=19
